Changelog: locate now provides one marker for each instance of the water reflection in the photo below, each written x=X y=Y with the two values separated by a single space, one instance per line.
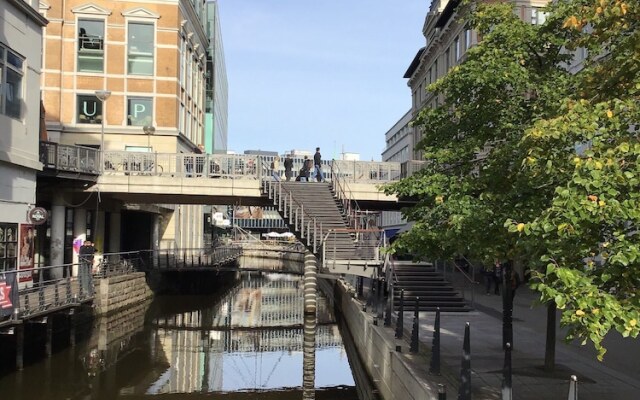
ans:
x=253 y=339
x=252 y=342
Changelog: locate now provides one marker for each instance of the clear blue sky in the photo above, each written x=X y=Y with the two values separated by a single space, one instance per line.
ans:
x=322 y=73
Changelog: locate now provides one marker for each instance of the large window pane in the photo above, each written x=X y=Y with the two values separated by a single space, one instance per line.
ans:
x=140 y=111
x=89 y=110
x=90 y=45
x=13 y=94
x=140 y=49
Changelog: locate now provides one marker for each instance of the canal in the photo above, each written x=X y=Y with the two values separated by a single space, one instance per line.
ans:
x=247 y=341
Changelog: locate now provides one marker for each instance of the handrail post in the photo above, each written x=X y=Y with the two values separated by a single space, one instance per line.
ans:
x=315 y=235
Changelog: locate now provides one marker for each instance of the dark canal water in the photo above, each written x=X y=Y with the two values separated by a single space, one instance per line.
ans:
x=250 y=341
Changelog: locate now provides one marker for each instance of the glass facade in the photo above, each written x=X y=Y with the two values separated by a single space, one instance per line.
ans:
x=140 y=47
x=90 y=45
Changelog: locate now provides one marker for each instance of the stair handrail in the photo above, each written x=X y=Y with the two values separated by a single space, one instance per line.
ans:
x=350 y=205
x=468 y=280
x=268 y=185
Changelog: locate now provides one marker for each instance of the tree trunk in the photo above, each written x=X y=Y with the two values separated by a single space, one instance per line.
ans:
x=550 y=348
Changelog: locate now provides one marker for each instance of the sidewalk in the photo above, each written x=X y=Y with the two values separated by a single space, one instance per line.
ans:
x=596 y=380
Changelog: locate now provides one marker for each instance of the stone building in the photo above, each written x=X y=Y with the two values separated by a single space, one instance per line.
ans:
x=20 y=69
x=124 y=76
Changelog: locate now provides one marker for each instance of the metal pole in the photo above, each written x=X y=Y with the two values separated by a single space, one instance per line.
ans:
x=507 y=385
x=464 y=391
x=399 y=321
x=434 y=368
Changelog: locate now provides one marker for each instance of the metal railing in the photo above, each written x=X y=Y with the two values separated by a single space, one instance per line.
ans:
x=236 y=166
x=350 y=207
x=308 y=226
x=189 y=259
x=460 y=278
x=366 y=247
x=69 y=158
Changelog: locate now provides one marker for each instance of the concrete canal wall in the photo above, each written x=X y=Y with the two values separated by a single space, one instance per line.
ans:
x=397 y=375
x=118 y=292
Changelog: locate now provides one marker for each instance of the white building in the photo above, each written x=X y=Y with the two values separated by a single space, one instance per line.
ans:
x=20 y=69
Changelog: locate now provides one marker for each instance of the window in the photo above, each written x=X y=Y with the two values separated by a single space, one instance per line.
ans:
x=8 y=246
x=10 y=83
x=90 y=45
x=457 y=49
x=538 y=17
x=139 y=111
x=467 y=38
x=447 y=60
x=140 y=48
x=89 y=110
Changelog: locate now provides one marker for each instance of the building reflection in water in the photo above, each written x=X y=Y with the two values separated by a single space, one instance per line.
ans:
x=256 y=338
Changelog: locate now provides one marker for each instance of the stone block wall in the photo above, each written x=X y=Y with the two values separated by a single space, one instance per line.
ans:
x=118 y=292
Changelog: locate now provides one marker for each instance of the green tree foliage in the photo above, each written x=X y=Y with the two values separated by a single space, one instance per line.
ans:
x=527 y=160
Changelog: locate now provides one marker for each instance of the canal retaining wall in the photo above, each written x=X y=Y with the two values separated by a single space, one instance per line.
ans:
x=398 y=375
x=118 y=292
x=271 y=258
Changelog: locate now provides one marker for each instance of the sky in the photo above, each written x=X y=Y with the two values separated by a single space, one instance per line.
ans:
x=327 y=73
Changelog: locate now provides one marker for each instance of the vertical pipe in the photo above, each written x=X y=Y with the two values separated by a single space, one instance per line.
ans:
x=309 y=357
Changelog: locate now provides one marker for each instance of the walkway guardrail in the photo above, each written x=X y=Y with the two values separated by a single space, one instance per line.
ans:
x=191 y=259
x=236 y=166
x=350 y=207
x=69 y=158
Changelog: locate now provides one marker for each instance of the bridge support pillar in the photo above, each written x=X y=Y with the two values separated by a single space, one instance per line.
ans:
x=114 y=232
x=309 y=357
x=310 y=282
x=56 y=248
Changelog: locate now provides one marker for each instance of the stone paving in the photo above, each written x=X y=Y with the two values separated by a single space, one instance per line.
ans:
x=596 y=380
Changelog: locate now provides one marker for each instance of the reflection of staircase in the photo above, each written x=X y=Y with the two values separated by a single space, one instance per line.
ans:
x=422 y=279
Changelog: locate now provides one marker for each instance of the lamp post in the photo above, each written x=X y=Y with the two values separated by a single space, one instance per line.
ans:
x=149 y=130
x=102 y=95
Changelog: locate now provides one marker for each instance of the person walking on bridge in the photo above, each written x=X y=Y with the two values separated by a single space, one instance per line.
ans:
x=317 y=163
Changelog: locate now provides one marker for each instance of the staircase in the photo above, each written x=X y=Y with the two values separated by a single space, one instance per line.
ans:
x=318 y=220
x=422 y=280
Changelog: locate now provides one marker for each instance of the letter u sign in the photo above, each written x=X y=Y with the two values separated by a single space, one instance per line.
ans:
x=87 y=105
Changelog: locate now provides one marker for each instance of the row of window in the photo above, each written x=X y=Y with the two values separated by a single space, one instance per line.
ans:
x=140 y=47
x=11 y=74
x=139 y=110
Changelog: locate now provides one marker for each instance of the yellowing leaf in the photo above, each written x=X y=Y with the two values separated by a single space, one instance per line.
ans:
x=633 y=322
x=609 y=113
x=579 y=313
x=601 y=203
x=520 y=227
x=571 y=22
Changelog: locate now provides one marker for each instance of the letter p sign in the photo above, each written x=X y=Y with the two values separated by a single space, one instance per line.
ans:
x=138 y=109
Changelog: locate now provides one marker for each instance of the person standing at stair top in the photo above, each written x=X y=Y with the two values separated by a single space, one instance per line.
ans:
x=317 y=163
x=307 y=165
x=288 y=167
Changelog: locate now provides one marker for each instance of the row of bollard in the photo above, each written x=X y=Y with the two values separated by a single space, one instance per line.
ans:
x=464 y=390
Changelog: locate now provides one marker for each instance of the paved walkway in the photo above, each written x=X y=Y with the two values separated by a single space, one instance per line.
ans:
x=596 y=380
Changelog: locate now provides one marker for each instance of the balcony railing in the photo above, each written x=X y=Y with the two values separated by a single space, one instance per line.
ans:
x=64 y=157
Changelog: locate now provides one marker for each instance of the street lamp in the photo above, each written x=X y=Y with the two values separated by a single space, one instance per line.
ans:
x=149 y=130
x=102 y=95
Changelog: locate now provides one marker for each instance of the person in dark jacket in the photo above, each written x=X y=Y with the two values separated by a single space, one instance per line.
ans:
x=86 y=254
x=317 y=163
x=288 y=167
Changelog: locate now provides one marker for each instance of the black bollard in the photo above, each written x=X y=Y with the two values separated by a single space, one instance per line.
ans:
x=507 y=306
x=434 y=368
x=507 y=386
x=464 y=391
x=400 y=320
x=442 y=392
x=416 y=326
x=573 y=388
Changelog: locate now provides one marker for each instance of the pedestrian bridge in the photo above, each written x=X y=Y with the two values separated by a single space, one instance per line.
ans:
x=164 y=178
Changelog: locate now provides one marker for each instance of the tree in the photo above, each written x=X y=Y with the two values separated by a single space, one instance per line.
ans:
x=502 y=178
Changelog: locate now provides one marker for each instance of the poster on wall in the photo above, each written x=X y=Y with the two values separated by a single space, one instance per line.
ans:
x=8 y=294
x=26 y=251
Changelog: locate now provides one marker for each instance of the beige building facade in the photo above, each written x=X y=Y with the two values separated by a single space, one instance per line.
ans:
x=149 y=57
